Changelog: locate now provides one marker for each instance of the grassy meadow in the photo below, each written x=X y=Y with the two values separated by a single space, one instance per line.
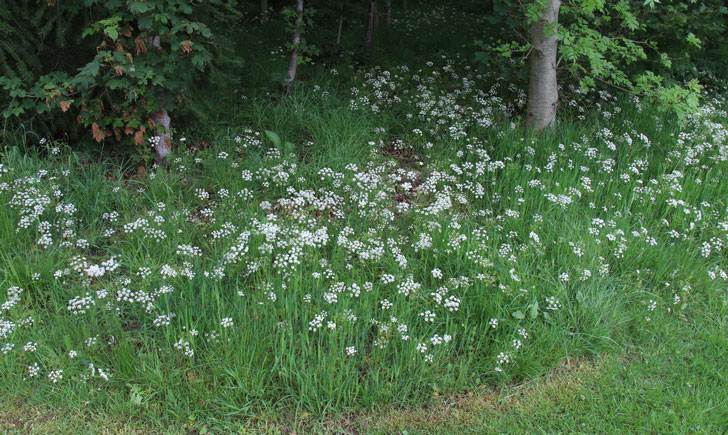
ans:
x=384 y=250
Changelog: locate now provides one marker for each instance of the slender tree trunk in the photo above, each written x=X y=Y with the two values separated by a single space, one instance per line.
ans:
x=404 y=5
x=376 y=15
x=263 y=11
x=373 y=22
x=370 y=23
x=388 y=13
x=293 y=62
x=341 y=25
x=163 y=145
x=543 y=95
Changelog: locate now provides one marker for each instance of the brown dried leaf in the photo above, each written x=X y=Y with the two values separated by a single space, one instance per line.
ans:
x=141 y=46
x=139 y=137
x=98 y=133
x=65 y=104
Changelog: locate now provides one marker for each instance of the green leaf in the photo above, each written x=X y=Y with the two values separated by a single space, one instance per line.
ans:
x=91 y=68
x=534 y=310
x=289 y=147
x=134 y=395
x=519 y=315
x=145 y=22
x=17 y=93
x=88 y=31
x=138 y=7
x=116 y=84
x=273 y=138
x=693 y=40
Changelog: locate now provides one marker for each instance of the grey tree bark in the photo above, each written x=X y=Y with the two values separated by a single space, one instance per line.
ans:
x=162 y=138
x=388 y=13
x=404 y=5
x=293 y=61
x=543 y=95
x=263 y=11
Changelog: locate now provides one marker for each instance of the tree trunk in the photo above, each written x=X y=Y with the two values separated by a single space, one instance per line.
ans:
x=376 y=15
x=373 y=21
x=293 y=62
x=163 y=140
x=543 y=95
x=404 y=5
x=388 y=13
x=263 y=11
x=341 y=25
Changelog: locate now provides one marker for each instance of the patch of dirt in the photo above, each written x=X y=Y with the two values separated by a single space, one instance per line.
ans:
x=21 y=419
x=17 y=417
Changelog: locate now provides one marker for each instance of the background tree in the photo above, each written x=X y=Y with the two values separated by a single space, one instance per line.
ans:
x=295 y=42
x=264 y=11
x=372 y=21
x=619 y=45
x=543 y=93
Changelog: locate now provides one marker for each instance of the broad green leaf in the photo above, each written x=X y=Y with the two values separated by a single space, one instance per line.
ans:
x=138 y=7
x=534 y=310
x=273 y=138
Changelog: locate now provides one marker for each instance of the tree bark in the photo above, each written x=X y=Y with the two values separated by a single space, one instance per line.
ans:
x=263 y=11
x=543 y=94
x=373 y=21
x=376 y=15
x=293 y=61
x=163 y=139
x=341 y=25
x=404 y=5
x=388 y=13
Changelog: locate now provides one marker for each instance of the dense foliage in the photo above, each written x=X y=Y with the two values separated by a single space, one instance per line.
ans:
x=631 y=46
x=146 y=55
x=114 y=65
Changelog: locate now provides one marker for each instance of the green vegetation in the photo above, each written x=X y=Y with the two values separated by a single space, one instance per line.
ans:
x=382 y=247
